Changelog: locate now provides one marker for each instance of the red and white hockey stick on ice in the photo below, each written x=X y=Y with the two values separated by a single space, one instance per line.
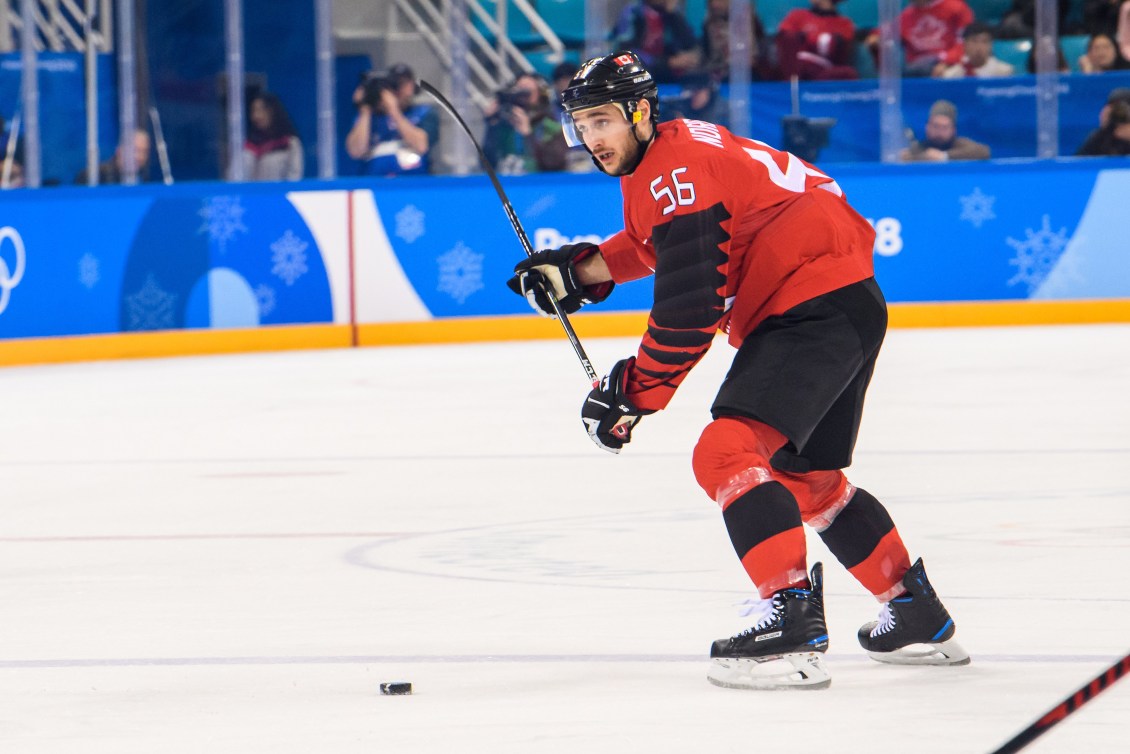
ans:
x=1056 y=714
x=513 y=217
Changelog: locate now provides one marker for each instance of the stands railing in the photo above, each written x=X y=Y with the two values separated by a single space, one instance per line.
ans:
x=60 y=25
x=493 y=59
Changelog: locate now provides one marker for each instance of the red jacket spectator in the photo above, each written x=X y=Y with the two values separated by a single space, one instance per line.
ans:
x=931 y=34
x=817 y=43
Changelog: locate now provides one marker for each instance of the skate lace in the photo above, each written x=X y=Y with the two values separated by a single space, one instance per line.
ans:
x=886 y=620
x=765 y=612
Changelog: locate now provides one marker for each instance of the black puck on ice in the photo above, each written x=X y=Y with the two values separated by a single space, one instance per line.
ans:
x=396 y=688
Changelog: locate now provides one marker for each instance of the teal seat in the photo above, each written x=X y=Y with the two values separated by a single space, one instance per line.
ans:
x=1073 y=48
x=773 y=12
x=1014 y=51
x=865 y=62
x=565 y=17
x=695 y=11
x=989 y=11
x=863 y=13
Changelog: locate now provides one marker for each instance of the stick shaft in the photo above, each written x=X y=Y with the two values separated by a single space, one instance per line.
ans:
x=1056 y=714
x=517 y=225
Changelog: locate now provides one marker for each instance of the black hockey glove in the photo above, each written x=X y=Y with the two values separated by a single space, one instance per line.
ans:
x=556 y=269
x=608 y=414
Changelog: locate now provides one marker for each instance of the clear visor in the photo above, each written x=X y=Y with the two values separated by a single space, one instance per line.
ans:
x=589 y=126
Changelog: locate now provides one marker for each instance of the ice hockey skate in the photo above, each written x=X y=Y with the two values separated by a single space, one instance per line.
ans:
x=783 y=650
x=914 y=629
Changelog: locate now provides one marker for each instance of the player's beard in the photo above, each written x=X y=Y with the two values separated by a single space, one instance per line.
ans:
x=629 y=161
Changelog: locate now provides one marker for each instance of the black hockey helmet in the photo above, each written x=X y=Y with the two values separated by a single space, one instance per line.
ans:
x=619 y=78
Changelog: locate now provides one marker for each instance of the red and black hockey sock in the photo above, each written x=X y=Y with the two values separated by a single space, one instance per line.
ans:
x=864 y=539
x=765 y=527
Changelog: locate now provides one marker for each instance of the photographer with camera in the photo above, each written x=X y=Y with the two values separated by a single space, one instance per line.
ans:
x=392 y=135
x=522 y=134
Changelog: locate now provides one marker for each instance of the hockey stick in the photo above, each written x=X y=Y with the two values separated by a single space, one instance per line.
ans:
x=1056 y=714
x=513 y=217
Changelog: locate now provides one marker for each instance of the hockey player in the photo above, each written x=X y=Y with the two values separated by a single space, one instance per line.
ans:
x=753 y=241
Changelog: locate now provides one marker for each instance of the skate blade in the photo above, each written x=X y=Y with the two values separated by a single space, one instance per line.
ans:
x=796 y=670
x=943 y=653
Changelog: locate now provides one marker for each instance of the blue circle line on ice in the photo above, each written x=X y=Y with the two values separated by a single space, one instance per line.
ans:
x=570 y=572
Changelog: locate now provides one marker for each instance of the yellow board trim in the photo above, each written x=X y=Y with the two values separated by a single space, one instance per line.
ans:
x=963 y=314
x=137 y=345
x=519 y=327
x=1003 y=313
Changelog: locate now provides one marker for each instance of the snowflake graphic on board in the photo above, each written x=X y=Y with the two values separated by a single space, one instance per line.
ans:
x=460 y=272
x=289 y=255
x=1037 y=254
x=265 y=299
x=151 y=308
x=88 y=272
x=409 y=223
x=977 y=207
x=223 y=218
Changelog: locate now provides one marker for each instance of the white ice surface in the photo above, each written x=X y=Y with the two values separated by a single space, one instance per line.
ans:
x=229 y=554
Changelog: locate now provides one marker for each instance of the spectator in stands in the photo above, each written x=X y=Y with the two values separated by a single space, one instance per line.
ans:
x=978 y=60
x=11 y=174
x=522 y=134
x=661 y=36
x=392 y=134
x=1019 y=21
x=716 y=44
x=1101 y=56
x=111 y=171
x=930 y=31
x=699 y=100
x=942 y=142
x=1112 y=137
x=817 y=43
x=11 y=168
x=272 y=150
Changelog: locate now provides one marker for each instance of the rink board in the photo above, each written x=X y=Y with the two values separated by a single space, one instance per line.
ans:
x=217 y=267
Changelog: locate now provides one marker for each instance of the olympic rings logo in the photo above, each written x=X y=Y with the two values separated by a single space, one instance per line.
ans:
x=9 y=279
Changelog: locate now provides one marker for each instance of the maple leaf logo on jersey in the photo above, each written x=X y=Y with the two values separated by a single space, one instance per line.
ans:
x=927 y=34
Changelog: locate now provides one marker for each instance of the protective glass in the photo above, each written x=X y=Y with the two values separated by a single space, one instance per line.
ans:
x=595 y=124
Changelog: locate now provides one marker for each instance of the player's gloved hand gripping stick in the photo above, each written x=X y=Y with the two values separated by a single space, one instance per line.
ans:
x=548 y=295
x=555 y=270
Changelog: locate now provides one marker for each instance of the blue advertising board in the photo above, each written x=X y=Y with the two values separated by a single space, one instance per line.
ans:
x=457 y=246
x=119 y=260
x=959 y=232
x=79 y=261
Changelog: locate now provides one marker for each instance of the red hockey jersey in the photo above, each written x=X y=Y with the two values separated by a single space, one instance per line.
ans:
x=934 y=29
x=810 y=42
x=734 y=231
